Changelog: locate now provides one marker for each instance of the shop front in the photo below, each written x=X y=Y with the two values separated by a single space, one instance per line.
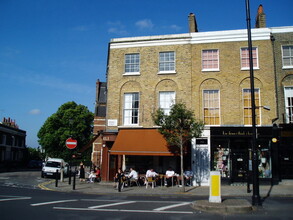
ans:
x=285 y=150
x=231 y=153
x=142 y=149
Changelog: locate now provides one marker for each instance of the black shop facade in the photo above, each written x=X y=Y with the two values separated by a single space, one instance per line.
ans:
x=231 y=154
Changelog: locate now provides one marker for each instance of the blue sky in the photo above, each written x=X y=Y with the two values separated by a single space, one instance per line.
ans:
x=53 y=51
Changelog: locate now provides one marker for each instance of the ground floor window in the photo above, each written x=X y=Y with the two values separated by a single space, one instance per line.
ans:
x=232 y=157
x=265 y=165
x=221 y=159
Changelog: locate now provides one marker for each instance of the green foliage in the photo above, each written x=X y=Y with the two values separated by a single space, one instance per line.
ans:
x=34 y=154
x=180 y=126
x=70 y=120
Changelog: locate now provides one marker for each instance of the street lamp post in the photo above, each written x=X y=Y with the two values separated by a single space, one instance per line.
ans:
x=255 y=181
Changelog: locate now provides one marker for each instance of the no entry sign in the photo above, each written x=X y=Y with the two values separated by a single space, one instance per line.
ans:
x=71 y=143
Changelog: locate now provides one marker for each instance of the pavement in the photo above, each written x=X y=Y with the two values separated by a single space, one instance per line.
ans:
x=233 y=197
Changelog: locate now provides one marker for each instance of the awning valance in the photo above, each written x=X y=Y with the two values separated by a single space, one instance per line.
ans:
x=147 y=142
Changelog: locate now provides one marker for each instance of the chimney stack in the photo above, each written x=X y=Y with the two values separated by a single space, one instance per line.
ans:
x=192 y=23
x=260 y=18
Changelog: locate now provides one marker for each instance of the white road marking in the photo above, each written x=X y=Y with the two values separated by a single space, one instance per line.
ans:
x=112 y=204
x=110 y=200
x=14 y=198
x=122 y=210
x=171 y=206
x=53 y=202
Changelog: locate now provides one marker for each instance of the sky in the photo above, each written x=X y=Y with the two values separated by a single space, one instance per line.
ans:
x=54 y=51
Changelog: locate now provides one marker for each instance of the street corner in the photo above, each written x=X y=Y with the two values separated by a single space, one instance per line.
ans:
x=45 y=185
x=227 y=206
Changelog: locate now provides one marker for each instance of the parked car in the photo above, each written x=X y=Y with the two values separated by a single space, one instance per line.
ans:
x=52 y=165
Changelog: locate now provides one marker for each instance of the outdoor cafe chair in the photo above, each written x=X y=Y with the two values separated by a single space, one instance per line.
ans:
x=150 y=180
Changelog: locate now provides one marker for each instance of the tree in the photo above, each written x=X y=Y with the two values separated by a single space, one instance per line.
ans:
x=178 y=128
x=70 y=120
x=34 y=154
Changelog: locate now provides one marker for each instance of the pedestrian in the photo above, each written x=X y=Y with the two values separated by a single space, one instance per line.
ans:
x=81 y=172
x=119 y=179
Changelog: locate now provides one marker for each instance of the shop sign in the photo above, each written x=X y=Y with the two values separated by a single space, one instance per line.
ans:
x=240 y=132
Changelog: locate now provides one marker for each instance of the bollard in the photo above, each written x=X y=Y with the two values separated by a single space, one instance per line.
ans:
x=215 y=187
x=56 y=178
x=74 y=178
x=61 y=174
x=69 y=177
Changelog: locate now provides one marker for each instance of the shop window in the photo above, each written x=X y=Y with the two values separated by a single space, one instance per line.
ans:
x=264 y=167
x=221 y=161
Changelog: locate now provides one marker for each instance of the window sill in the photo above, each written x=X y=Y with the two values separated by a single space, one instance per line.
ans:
x=246 y=69
x=130 y=126
x=210 y=70
x=287 y=67
x=132 y=74
x=166 y=72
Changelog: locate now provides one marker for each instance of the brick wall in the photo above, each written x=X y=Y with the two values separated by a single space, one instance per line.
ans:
x=284 y=76
x=190 y=80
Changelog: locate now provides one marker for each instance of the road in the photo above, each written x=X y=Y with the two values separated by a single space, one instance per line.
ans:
x=20 y=197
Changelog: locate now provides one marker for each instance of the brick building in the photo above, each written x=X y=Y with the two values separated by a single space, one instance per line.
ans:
x=207 y=71
x=282 y=42
x=12 y=143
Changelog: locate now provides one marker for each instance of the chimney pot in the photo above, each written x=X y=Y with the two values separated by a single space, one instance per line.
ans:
x=260 y=18
x=192 y=23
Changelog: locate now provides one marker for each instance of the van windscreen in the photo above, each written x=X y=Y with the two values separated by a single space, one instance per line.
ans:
x=53 y=164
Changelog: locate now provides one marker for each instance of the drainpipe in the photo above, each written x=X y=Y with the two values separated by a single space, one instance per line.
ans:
x=276 y=81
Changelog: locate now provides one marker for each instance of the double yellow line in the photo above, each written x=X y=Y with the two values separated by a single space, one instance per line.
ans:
x=45 y=184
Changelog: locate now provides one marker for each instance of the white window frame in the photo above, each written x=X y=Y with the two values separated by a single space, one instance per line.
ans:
x=131 y=109
x=247 y=58
x=167 y=61
x=213 y=104
x=288 y=95
x=257 y=107
x=131 y=61
x=166 y=100
x=211 y=60
x=290 y=57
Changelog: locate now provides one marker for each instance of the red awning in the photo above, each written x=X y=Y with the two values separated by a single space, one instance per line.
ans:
x=147 y=142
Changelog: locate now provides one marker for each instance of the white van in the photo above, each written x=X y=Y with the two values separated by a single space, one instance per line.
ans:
x=52 y=165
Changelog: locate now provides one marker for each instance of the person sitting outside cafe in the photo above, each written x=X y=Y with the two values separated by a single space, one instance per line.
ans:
x=98 y=174
x=92 y=177
x=188 y=175
x=132 y=176
x=150 y=177
x=170 y=174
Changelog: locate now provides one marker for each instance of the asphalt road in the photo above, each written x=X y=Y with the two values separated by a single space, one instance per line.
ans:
x=20 y=198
